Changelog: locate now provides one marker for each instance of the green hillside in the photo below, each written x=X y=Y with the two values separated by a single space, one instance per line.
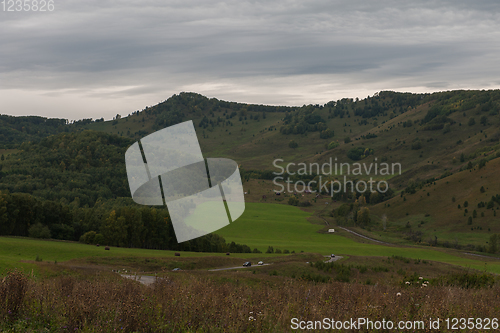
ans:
x=445 y=142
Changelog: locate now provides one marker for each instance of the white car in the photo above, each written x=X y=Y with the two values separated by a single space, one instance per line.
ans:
x=260 y=263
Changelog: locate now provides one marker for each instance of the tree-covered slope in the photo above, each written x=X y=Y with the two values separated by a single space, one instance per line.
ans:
x=71 y=167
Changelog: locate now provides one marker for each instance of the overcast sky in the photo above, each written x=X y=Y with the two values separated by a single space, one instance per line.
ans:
x=97 y=58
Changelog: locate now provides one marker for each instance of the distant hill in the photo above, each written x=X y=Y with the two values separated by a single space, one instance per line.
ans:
x=451 y=138
x=429 y=134
x=424 y=132
x=16 y=130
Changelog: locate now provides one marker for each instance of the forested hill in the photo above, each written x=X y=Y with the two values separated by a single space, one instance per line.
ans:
x=73 y=168
x=430 y=134
x=74 y=174
x=16 y=130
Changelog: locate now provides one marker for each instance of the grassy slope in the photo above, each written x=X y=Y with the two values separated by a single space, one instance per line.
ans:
x=253 y=146
x=446 y=221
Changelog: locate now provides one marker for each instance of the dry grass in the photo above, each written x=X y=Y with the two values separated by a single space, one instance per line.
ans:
x=198 y=303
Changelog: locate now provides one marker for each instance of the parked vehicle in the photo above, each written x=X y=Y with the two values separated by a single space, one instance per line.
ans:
x=176 y=269
x=260 y=263
x=247 y=264
x=333 y=255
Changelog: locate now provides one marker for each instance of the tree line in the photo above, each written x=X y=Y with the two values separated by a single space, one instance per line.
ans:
x=115 y=223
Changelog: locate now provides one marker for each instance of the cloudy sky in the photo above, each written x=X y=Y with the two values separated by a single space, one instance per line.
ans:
x=97 y=58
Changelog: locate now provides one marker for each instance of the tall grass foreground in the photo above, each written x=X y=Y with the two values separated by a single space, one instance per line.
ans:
x=101 y=304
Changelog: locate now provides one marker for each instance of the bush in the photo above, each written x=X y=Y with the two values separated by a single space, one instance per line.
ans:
x=99 y=239
x=484 y=120
x=326 y=134
x=471 y=122
x=293 y=201
x=38 y=230
x=332 y=145
x=293 y=144
x=270 y=249
x=358 y=153
x=277 y=251
x=89 y=237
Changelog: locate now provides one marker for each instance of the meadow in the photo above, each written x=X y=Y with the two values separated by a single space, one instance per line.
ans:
x=262 y=225
x=287 y=227
x=20 y=252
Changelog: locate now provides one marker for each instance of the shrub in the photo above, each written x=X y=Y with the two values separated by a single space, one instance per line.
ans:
x=293 y=144
x=484 y=120
x=39 y=230
x=358 y=153
x=332 y=145
x=98 y=239
x=326 y=134
x=293 y=201
x=89 y=237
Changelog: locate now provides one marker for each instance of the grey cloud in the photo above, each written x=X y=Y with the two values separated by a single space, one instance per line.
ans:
x=157 y=48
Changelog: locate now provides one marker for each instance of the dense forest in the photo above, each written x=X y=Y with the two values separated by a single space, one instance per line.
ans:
x=15 y=130
x=73 y=186
x=71 y=168
x=114 y=222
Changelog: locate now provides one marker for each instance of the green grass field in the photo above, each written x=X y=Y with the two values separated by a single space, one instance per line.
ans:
x=262 y=225
x=17 y=252
x=286 y=227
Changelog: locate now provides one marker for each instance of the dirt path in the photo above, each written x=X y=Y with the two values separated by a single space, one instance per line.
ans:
x=333 y=259
x=228 y=268
x=355 y=233
x=479 y=255
x=365 y=237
